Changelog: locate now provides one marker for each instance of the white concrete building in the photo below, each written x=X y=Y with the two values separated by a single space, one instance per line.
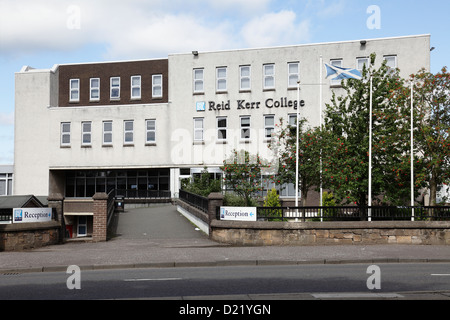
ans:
x=141 y=125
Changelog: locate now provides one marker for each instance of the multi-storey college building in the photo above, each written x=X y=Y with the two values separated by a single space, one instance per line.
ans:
x=144 y=124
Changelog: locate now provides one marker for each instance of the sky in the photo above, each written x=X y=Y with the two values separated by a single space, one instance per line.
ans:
x=40 y=33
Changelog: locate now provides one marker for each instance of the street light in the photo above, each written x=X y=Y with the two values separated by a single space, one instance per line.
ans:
x=296 y=151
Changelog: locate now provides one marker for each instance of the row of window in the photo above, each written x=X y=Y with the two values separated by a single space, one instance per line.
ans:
x=114 y=88
x=245 y=82
x=150 y=130
x=293 y=75
x=107 y=133
x=244 y=127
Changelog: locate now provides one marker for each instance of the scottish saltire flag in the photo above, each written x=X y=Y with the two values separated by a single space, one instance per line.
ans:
x=342 y=73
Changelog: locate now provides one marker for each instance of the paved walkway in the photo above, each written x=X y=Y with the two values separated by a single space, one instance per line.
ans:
x=166 y=239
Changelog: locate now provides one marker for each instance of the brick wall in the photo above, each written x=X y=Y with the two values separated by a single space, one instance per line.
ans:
x=19 y=237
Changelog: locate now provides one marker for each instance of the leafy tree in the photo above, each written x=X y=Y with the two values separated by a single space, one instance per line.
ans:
x=242 y=174
x=284 y=145
x=345 y=138
x=432 y=135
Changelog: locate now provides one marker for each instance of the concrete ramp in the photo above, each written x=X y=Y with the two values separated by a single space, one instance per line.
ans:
x=160 y=222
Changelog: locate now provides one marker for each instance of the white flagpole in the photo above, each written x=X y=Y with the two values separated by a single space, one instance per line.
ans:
x=412 y=150
x=370 y=153
x=296 y=153
x=320 y=121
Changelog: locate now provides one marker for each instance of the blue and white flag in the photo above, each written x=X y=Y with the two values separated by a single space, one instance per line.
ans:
x=342 y=73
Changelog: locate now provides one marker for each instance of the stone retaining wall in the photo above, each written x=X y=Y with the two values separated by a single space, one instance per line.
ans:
x=24 y=236
x=323 y=233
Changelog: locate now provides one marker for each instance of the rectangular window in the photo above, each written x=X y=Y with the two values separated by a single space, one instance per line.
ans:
x=198 y=81
x=82 y=226
x=293 y=74
x=269 y=76
x=245 y=77
x=150 y=131
x=391 y=63
x=293 y=120
x=95 y=89
x=107 y=133
x=198 y=129
x=336 y=63
x=245 y=127
x=115 y=88
x=157 y=86
x=221 y=77
x=269 y=126
x=128 y=132
x=222 y=128
x=86 y=133
x=74 y=90
x=135 y=87
x=361 y=62
x=65 y=134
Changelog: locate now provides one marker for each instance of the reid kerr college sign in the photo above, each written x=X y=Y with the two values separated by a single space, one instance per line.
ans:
x=244 y=104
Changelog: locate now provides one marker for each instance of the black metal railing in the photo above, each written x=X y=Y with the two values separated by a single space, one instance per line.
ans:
x=436 y=213
x=194 y=200
x=142 y=194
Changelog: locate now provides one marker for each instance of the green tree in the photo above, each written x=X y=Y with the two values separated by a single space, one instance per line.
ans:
x=345 y=138
x=432 y=134
x=242 y=174
x=285 y=147
x=202 y=185
x=272 y=200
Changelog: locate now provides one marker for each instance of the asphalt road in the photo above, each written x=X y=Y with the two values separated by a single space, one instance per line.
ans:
x=303 y=282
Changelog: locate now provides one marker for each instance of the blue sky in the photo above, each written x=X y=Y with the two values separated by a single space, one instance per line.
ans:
x=44 y=33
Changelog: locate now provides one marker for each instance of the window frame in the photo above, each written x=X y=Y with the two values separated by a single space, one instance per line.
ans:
x=111 y=88
x=266 y=76
x=72 y=90
x=65 y=133
x=134 y=86
x=221 y=79
x=246 y=127
x=104 y=132
x=128 y=131
x=269 y=127
x=336 y=83
x=147 y=131
x=297 y=74
x=202 y=80
x=249 y=77
x=198 y=129
x=87 y=133
x=157 y=85
x=93 y=89
x=222 y=129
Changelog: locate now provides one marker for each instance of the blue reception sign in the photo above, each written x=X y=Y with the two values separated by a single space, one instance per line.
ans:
x=27 y=215
x=238 y=213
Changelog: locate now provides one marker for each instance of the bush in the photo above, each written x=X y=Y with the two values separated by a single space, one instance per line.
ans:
x=272 y=200
x=233 y=200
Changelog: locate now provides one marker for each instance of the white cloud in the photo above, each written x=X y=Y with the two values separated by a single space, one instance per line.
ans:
x=280 y=28
x=140 y=28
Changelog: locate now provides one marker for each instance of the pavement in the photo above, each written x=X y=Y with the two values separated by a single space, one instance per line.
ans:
x=159 y=236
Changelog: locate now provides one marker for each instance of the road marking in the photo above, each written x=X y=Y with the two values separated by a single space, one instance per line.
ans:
x=160 y=279
x=441 y=274
x=349 y=295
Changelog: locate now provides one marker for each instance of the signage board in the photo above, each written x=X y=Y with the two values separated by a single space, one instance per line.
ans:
x=30 y=215
x=238 y=213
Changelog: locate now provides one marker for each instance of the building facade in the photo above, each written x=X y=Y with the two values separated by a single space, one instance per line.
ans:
x=143 y=125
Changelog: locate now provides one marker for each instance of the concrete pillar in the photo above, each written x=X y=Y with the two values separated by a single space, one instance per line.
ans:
x=100 y=217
